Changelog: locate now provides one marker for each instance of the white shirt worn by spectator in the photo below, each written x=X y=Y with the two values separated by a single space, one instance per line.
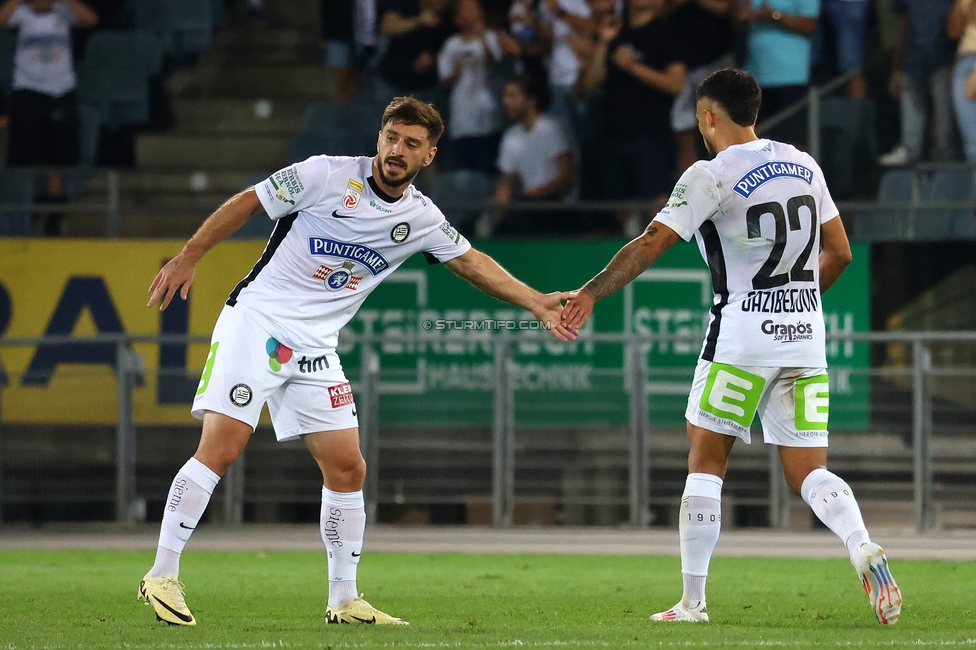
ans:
x=474 y=110
x=42 y=60
x=564 y=66
x=531 y=155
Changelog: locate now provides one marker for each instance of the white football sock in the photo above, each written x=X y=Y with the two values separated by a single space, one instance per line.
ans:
x=699 y=525
x=832 y=500
x=188 y=498
x=342 y=526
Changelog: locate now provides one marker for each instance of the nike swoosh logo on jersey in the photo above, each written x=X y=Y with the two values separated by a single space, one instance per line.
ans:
x=336 y=214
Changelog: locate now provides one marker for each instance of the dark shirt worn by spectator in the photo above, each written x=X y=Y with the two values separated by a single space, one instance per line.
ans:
x=632 y=107
x=706 y=36
x=927 y=43
x=397 y=66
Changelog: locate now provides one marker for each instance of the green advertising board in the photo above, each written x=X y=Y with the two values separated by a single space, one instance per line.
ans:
x=448 y=380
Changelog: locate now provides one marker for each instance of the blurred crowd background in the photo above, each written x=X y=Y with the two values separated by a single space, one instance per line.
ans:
x=553 y=101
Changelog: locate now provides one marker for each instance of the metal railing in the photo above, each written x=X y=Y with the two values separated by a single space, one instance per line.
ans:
x=649 y=451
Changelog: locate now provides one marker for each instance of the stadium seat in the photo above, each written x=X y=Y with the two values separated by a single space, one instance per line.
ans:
x=15 y=189
x=183 y=26
x=461 y=186
x=114 y=76
x=898 y=186
x=949 y=185
x=90 y=127
x=333 y=143
x=360 y=118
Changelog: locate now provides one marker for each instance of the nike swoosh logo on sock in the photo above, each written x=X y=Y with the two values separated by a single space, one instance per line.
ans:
x=183 y=617
x=355 y=554
x=182 y=525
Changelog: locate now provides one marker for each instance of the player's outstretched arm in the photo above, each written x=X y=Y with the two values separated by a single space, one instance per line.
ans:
x=177 y=274
x=486 y=274
x=629 y=262
x=835 y=252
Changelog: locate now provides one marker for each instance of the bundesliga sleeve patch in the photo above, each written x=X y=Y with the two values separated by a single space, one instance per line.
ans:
x=287 y=185
x=451 y=232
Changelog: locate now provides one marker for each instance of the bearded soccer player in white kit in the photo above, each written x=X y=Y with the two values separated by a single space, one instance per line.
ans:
x=773 y=241
x=343 y=225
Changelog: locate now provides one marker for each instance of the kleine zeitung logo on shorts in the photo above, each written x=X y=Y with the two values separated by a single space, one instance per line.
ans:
x=787 y=333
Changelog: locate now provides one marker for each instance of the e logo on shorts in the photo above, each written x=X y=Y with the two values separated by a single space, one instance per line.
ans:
x=208 y=369
x=241 y=395
x=812 y=403
x=732 y=394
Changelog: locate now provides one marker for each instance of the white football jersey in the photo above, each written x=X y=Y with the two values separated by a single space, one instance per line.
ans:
x=756 y=211
x=337 y=236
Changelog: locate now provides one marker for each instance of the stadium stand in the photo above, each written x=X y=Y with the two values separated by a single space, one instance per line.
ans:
x=461 y=186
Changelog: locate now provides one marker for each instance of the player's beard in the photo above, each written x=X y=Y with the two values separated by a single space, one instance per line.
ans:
x=709 y=147
x=408 y=176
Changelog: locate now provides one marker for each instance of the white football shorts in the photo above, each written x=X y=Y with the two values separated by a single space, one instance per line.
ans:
x=792 y=403
x=306 y=390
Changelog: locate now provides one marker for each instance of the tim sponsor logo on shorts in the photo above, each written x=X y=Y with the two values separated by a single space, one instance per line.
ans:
x=788 y=333
x=341 y=395
x=307 y=365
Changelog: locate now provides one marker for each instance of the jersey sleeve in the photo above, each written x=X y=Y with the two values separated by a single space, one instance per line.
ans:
x=695 y=198
x=18 y=16
x=443 y=242
x=506 y=155
x=557 y=141
x=295 y=187
x=446 y=58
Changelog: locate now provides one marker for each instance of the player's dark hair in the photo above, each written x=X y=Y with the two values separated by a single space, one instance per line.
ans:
x=736 y=91
x=534 y=86
x=413 y=112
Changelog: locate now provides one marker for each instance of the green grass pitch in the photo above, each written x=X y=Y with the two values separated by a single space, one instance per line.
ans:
x=87 y=599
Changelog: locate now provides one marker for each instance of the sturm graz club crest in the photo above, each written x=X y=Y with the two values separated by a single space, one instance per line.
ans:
x=339 y=278
x=241 y=394
x=400 y=232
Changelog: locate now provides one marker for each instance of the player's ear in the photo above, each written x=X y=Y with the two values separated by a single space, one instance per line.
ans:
x=430 y=156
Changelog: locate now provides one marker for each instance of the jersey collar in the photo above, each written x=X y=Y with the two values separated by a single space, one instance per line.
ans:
x=383 y=196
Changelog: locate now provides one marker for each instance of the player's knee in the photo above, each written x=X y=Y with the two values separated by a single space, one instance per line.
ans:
x=349 y=472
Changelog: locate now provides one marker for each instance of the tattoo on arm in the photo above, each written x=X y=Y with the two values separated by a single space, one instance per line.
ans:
x=632 y=260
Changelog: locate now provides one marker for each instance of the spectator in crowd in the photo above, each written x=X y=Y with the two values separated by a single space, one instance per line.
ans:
x=641 y=65
x=921 y=77
x=706 y=28
x=962 y=27
x=349 y=32
x=778 y=57
x=848 y=20
x=557 y=25
x=416 y=30
x=463 y=63
x=535 y=159
x=43 y=104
